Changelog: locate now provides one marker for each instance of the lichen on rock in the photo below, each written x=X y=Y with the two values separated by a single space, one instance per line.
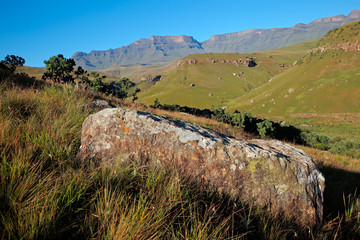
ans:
x=270 y=173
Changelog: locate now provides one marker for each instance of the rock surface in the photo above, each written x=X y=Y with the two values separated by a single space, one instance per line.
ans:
x=274 y=175
x=248 y=62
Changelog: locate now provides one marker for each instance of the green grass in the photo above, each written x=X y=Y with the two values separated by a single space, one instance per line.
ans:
x=47 y=193
x=322 y=81
x=346 y=33
x=335 y=125
x=215 y=83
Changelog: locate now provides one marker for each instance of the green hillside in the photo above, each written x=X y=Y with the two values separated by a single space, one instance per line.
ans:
x=326 y=80
x=215 y=79
x=137 y=72
x=344 y=34
x=31 y=71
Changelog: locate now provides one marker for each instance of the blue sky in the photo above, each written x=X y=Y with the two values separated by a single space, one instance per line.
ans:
x=37 y=30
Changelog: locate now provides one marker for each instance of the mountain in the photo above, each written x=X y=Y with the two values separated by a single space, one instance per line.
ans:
x=156 y=50
x=265 y=39
x=161 y=50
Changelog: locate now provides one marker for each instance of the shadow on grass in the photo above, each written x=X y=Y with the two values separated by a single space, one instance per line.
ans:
x=340 y=184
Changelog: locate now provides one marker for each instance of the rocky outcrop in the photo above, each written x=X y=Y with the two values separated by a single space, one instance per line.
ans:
x=151 y=78
x=347 y=46
x=272 y=174
x=248 y=62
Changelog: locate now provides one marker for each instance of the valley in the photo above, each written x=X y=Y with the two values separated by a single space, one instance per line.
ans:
x=247 y=135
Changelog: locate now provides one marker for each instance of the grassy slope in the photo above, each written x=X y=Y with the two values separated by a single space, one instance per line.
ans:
x=46 y=193
x=327 y=82
x=136 y=72
x=323 y=82
x=31 y=71
x=218 y=80
x=326 y=90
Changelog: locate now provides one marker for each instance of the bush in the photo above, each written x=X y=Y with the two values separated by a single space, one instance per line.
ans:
x=265 y=128
x=346 y=147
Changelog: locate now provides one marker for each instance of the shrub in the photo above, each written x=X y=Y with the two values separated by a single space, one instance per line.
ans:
x=265 y=128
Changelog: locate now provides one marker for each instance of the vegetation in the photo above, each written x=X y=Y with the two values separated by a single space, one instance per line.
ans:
x=320 y=90
x=9 y=65
x=216 y=83
x=270 y=129
x=59 y=69
x=47 y=193
x=348 y=33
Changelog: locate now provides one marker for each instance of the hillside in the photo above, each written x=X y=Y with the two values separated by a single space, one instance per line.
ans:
x=47 y=192
x=325 y=80
x=161 y=50
x=211 y=79
x=139 y=72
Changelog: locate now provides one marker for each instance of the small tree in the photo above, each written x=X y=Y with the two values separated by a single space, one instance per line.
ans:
x=59 y=69
x=79 y=72
x=134 y=97
x=10 y=63
x=97 y=84
x=156 y=103
x=125 y=84
x=265 y=128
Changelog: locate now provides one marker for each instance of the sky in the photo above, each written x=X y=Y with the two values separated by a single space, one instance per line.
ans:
x=37 y=30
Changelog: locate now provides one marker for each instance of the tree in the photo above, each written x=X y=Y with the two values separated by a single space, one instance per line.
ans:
x=265 y=128
x=79 y=71
x=97 y=84
x=14 y=60
x=10 y=63
x=157 y=103
x=134 y=97
x=59 y=69
x=125 y=84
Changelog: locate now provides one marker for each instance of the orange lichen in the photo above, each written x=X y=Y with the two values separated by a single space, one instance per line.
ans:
x=126 y=128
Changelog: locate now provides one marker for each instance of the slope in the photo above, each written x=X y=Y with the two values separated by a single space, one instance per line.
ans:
x=205 y=80
x=325 y=80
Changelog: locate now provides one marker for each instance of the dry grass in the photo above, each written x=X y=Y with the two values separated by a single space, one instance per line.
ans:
x=46 y=193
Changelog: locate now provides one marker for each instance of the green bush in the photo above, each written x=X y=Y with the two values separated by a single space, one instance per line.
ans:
x=265 y=128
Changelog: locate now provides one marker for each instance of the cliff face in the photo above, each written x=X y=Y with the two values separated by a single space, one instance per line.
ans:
x=156 y=50
x=248 y=62
x=266 y=39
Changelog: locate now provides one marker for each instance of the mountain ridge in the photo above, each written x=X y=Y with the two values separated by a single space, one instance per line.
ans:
x=162 y=50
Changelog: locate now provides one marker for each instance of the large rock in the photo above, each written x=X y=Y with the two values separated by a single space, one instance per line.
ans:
x=272 y=174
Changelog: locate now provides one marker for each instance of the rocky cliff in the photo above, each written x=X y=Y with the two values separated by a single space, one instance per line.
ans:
x=248 y=62
x=155 y=50
x=269 y=173
x=265 y=39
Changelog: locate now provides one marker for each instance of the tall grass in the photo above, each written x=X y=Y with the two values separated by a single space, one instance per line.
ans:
x=47 y=193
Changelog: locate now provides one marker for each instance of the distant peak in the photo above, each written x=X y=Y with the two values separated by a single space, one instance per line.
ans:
x=354 y=14
x=337 y=18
